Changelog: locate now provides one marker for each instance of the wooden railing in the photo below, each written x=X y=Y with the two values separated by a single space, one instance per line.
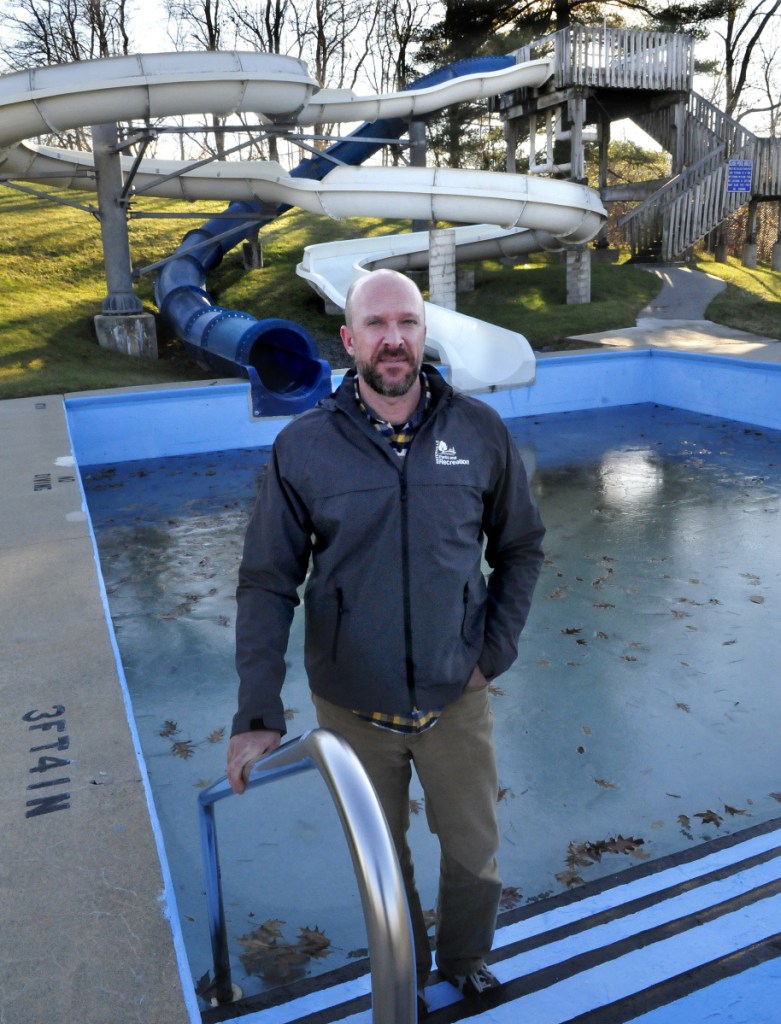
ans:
x=624 y=58
x=701 y=208
x=704 y=125
x=767 y=167
x=643 y=226
x=698 y=200
x=616 y=58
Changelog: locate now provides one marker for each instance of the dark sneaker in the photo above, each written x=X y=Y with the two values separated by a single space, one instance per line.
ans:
x=473 y=985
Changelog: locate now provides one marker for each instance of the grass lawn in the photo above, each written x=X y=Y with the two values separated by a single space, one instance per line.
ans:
x=750 y=302
x=52 y=285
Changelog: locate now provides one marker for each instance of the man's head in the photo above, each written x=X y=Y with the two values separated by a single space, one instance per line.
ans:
x=385 y=331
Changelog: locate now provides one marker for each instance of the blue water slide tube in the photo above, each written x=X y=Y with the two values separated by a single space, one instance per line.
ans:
x=279 y=357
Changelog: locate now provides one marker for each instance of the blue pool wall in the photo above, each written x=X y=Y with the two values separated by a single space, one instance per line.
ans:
x=135 y=423
x=120 y=426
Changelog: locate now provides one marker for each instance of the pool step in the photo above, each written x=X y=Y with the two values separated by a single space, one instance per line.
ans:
x=699 y=928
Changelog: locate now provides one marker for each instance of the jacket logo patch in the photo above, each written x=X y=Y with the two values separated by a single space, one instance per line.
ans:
x=444 y=455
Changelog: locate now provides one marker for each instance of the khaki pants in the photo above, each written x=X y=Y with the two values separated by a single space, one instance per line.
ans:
x=456 y=766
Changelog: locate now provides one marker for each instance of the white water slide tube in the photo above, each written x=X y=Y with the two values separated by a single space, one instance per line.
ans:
x=277 y=89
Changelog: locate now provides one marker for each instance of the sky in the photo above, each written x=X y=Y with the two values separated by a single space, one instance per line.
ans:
x=151 y=15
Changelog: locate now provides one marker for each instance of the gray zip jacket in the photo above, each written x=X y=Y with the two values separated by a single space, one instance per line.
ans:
x=398 y=610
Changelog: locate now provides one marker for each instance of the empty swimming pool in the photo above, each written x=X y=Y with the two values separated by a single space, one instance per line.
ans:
x=639 y=720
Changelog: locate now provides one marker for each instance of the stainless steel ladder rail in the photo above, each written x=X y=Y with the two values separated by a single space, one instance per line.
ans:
x=389 y=933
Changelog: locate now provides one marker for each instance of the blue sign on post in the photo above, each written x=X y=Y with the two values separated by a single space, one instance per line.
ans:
x=739 y=175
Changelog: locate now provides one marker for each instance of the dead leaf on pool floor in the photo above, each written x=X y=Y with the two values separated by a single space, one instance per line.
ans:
x=580 y=855
x=569 y=879
x=728 y=809
x=511 y=897
x=709 y=818
x=268 y=956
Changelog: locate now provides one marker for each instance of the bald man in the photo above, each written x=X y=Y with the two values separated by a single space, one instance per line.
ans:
x=393 y=490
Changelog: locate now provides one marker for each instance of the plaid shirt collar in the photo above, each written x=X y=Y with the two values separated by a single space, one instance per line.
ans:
x=399 y=438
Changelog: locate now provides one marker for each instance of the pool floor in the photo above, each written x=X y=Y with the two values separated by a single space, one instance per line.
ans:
x=640 y=721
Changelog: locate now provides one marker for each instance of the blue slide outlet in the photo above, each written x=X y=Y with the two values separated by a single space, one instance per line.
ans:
x=278 y=357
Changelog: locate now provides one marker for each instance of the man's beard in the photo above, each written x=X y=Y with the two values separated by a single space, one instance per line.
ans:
x=388 y=388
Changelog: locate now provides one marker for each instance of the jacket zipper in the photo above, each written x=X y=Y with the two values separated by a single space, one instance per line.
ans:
x=405 y=570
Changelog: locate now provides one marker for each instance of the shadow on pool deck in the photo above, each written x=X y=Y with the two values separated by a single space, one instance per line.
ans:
x=86 y=935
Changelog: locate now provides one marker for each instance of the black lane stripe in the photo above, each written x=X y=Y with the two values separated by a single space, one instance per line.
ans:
x=580 y=963
x=632 y=906
x=621 y=1011
x=676 y=988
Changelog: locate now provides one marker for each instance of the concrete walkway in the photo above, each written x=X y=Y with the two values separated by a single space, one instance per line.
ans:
x=675 y=320
x=85 y=935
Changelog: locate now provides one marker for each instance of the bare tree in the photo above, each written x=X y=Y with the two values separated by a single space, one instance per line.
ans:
x=771 y=89
x=41 y=32
x=37 y=33
x=262 y=26
x=331 y=37
x=202 y=24
x=743 y=29
x=390 y=64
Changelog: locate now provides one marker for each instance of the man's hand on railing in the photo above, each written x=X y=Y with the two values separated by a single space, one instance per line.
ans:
x=244 y=750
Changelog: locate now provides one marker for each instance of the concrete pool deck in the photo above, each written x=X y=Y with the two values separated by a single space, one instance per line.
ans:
x=84 y=917
x=85 y=935
x=674 y=321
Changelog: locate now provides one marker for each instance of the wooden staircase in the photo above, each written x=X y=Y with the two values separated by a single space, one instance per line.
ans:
x=603 y=74
x=696 y=201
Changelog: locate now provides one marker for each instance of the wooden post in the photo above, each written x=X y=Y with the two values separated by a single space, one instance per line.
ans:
x=417 y=158
x=604 y=148
x=577 y=115
x=679 y=136
x=750 y=245
x=511 y=142
x=532 y=140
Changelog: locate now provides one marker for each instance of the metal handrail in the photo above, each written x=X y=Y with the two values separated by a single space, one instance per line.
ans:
x=389 y=932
